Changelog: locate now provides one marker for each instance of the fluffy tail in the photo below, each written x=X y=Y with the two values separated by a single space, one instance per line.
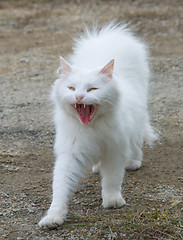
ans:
x=150 y=136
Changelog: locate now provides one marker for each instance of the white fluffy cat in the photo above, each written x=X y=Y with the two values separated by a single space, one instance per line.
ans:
x=101 y=117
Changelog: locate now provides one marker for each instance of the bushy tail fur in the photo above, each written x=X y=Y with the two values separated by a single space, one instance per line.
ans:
x=150 y=136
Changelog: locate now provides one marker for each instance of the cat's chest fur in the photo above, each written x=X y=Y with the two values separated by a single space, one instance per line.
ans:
x=93 y=141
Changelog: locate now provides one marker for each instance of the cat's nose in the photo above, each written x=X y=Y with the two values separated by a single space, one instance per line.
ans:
x=79 y=98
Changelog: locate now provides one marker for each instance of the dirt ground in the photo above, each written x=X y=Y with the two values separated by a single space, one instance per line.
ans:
x=33 y=34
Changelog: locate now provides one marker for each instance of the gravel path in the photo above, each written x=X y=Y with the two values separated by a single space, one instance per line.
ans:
x=32 y=36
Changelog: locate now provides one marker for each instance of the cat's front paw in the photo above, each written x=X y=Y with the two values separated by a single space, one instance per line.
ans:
x=51 y=221
x=113 y=202
x=133 y=165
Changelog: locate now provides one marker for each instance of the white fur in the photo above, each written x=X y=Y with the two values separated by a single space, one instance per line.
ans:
x=114 y=138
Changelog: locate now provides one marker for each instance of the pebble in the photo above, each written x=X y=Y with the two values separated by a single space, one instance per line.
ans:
x=180 y=178
x=25 y=60
x=36 y=74
x=151 y=200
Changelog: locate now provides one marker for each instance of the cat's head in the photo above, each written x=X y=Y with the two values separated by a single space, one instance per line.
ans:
x=86 y=93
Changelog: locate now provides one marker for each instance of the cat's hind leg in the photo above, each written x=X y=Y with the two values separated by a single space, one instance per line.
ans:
x=133 y=165
x=96 y=168
x=135 y=161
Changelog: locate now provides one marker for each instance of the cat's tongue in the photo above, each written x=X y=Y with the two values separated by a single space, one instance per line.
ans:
x=86 y=112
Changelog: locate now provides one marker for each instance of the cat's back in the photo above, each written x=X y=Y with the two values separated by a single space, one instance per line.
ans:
x=96 y=47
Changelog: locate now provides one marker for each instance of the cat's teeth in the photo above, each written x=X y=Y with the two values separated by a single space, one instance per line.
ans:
x=84 y=106
x=75 y=105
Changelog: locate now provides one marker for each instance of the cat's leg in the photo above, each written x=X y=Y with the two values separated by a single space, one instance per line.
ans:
x=96 y=168
x=65 y=180
x=135 y=161
x=112 y=176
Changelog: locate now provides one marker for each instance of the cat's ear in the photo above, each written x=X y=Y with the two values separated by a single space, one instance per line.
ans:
x=108 y=69
x=65 y=67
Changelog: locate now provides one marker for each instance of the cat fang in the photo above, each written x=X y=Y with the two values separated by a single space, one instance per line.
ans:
x=85 y=112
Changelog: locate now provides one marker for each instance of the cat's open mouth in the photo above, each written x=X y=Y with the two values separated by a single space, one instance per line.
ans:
x=85 y=112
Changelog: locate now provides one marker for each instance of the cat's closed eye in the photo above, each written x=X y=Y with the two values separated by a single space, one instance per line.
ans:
x=92 y=89
x=71 y=88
